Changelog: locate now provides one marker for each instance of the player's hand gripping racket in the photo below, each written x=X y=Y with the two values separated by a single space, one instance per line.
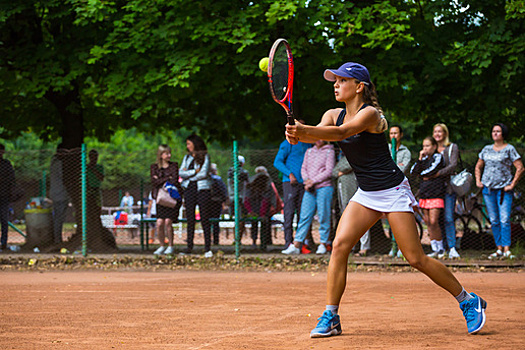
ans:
x=280 y=76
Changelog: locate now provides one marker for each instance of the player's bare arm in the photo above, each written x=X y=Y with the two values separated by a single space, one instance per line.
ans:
x=365 y=120
x=327 y=119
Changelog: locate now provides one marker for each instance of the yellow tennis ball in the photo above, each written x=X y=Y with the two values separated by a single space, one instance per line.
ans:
x=263 y=64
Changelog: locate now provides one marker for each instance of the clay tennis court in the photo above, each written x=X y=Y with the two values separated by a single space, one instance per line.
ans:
x=249 y=310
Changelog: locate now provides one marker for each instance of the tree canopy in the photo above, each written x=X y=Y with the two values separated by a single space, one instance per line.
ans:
x=74 y=68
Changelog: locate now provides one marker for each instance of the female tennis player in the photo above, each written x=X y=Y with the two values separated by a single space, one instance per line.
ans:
x=382 y=189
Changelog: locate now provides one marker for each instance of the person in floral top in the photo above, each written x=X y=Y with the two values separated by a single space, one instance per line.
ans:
x=494 y=176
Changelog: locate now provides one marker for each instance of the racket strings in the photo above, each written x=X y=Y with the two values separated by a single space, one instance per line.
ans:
x=280 y=72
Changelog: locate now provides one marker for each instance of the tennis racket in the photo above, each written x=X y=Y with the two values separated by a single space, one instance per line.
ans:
x=280 y=76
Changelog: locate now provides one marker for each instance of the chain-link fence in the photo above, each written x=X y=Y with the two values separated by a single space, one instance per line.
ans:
x=87 y=201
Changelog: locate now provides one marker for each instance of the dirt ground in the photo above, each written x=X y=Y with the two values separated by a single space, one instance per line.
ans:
x=249 y=310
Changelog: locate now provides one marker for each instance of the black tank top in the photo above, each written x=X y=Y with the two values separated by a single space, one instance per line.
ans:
x=370 y=158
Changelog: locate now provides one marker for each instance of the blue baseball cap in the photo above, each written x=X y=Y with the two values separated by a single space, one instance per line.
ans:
x=349 y=70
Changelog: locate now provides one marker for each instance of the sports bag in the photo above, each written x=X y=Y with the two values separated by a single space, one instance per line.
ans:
x=461 y=182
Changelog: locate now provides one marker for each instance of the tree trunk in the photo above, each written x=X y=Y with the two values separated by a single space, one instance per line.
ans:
x=99 y=239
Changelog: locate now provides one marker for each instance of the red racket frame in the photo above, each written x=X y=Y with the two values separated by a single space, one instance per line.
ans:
x=286 y=102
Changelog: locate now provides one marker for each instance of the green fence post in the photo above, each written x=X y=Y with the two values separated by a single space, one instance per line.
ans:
x=394 y=150
x=83 y=178
x=142 y=215
x=236 y=198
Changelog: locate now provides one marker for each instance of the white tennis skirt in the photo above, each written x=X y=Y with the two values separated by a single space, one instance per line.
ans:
x=396 y=199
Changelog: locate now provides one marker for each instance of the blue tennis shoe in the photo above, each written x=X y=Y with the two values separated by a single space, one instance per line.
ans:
x=474 y=312
x=328 y=325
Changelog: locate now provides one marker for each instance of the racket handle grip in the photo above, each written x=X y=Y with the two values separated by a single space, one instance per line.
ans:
x=291 y=119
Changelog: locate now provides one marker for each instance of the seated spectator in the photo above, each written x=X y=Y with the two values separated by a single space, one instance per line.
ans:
x=126 y=203
x=260 y=197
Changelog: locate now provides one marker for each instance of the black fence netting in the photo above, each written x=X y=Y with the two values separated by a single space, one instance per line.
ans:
x=289 y=201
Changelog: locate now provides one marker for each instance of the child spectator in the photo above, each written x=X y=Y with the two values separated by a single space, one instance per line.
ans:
x=431 y=192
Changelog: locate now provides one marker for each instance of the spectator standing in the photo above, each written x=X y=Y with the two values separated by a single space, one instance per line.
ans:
x=288 y=161
x=316 y=171
x=243 y=177
x=7 y=174
x=126 y=203
x=431 y=192
x=260 y=198
x=196 y=181
x=58 y=193
x=219 y=197
x=162 y=171
x=346 y=186
x=450 y=152
x=494 y=176
x=403 y=157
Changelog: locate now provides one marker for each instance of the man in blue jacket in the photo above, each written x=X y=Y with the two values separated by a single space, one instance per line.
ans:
x=289 y=161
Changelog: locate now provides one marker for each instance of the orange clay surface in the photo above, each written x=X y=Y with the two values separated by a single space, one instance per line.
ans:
x=250 y=310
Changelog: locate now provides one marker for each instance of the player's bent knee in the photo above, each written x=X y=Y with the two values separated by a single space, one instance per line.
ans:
x=417 y=261
x=340 y=248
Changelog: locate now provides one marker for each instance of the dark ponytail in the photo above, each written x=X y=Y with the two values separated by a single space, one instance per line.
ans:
x=370 y=97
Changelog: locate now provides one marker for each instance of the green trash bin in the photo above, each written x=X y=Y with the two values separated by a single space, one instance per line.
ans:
x=39 y=227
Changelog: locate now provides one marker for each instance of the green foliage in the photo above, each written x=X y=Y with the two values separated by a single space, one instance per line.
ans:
x=164 y=65
x=126 y=158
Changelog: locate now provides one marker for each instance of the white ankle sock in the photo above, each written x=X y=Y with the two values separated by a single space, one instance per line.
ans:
x=461 y=297
x=333 y=308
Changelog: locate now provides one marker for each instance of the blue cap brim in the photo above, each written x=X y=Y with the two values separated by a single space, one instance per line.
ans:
x=330 y=74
